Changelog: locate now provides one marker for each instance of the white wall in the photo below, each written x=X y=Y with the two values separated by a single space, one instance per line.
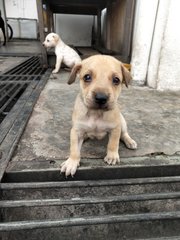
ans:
x=21 y=9
x=143 y=32
x=22 y=16
x=74 y=29
x=169 y=66
x=157 y=41
x=156 y=44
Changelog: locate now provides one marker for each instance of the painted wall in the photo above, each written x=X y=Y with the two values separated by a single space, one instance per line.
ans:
x=143 y=32
x=21 y=9
x=22 y=16
x=169 y=58
x=156 y=44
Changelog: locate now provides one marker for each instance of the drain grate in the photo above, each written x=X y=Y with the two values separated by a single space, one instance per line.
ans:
x=14 y=82
x=19 y=90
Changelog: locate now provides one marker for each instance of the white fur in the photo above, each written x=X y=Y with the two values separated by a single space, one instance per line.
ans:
x=63 y=52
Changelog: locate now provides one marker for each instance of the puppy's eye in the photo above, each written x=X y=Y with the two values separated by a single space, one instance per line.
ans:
x=116 y=81
x=47 y=40
x=87 y=78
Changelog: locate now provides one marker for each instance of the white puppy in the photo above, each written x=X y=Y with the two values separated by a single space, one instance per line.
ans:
x=63 y=52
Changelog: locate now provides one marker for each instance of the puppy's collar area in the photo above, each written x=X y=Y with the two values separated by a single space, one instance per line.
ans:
x=96 y=113
x=61 y=44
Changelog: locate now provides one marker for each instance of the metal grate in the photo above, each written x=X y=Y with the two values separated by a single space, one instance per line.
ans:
x=14 y=82
x=20 y=88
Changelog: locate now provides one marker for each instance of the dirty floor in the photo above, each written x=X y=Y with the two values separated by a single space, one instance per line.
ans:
x=153 y=119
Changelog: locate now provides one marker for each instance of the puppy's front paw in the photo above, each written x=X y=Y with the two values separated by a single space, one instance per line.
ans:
x=112 y=158
x=69 y=167
x=54 y=71
x=131 y=144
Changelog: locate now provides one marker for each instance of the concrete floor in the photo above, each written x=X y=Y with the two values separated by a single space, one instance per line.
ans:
x=153 y=120
x=21 y=48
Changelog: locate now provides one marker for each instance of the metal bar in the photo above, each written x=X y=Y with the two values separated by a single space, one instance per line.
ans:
x=88 y=183
x=23 y=65
x=15 y=69
x=13 y=95
x=31 y=66
x=94 y=220
x=89 y=200
x=13 y=65
x=11 y=78
x=18 y=75
x=30 y=69
x=4 y=89
x=7 y=94
x=88 y=173
x=4 y=77
x=19 y=81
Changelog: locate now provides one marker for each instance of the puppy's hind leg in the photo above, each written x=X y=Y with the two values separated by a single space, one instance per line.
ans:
x=58 y=64
x=129 y=142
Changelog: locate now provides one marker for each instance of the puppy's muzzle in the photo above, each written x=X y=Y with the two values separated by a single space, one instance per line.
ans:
x=100 y=98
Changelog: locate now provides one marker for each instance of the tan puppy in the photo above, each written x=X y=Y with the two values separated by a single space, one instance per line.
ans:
x=96 y=111
x=63 y=52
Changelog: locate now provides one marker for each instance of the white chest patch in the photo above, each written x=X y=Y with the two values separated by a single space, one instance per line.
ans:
x=94 y=127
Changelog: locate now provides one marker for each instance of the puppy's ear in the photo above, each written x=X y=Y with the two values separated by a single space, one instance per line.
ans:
x=74 y=72
x=126 y=75
x=55 y=36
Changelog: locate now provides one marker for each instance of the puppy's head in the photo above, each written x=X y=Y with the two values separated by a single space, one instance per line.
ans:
x=101 y=78
x=51 y=40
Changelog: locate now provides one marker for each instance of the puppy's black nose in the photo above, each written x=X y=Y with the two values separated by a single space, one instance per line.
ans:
x=101 y=98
